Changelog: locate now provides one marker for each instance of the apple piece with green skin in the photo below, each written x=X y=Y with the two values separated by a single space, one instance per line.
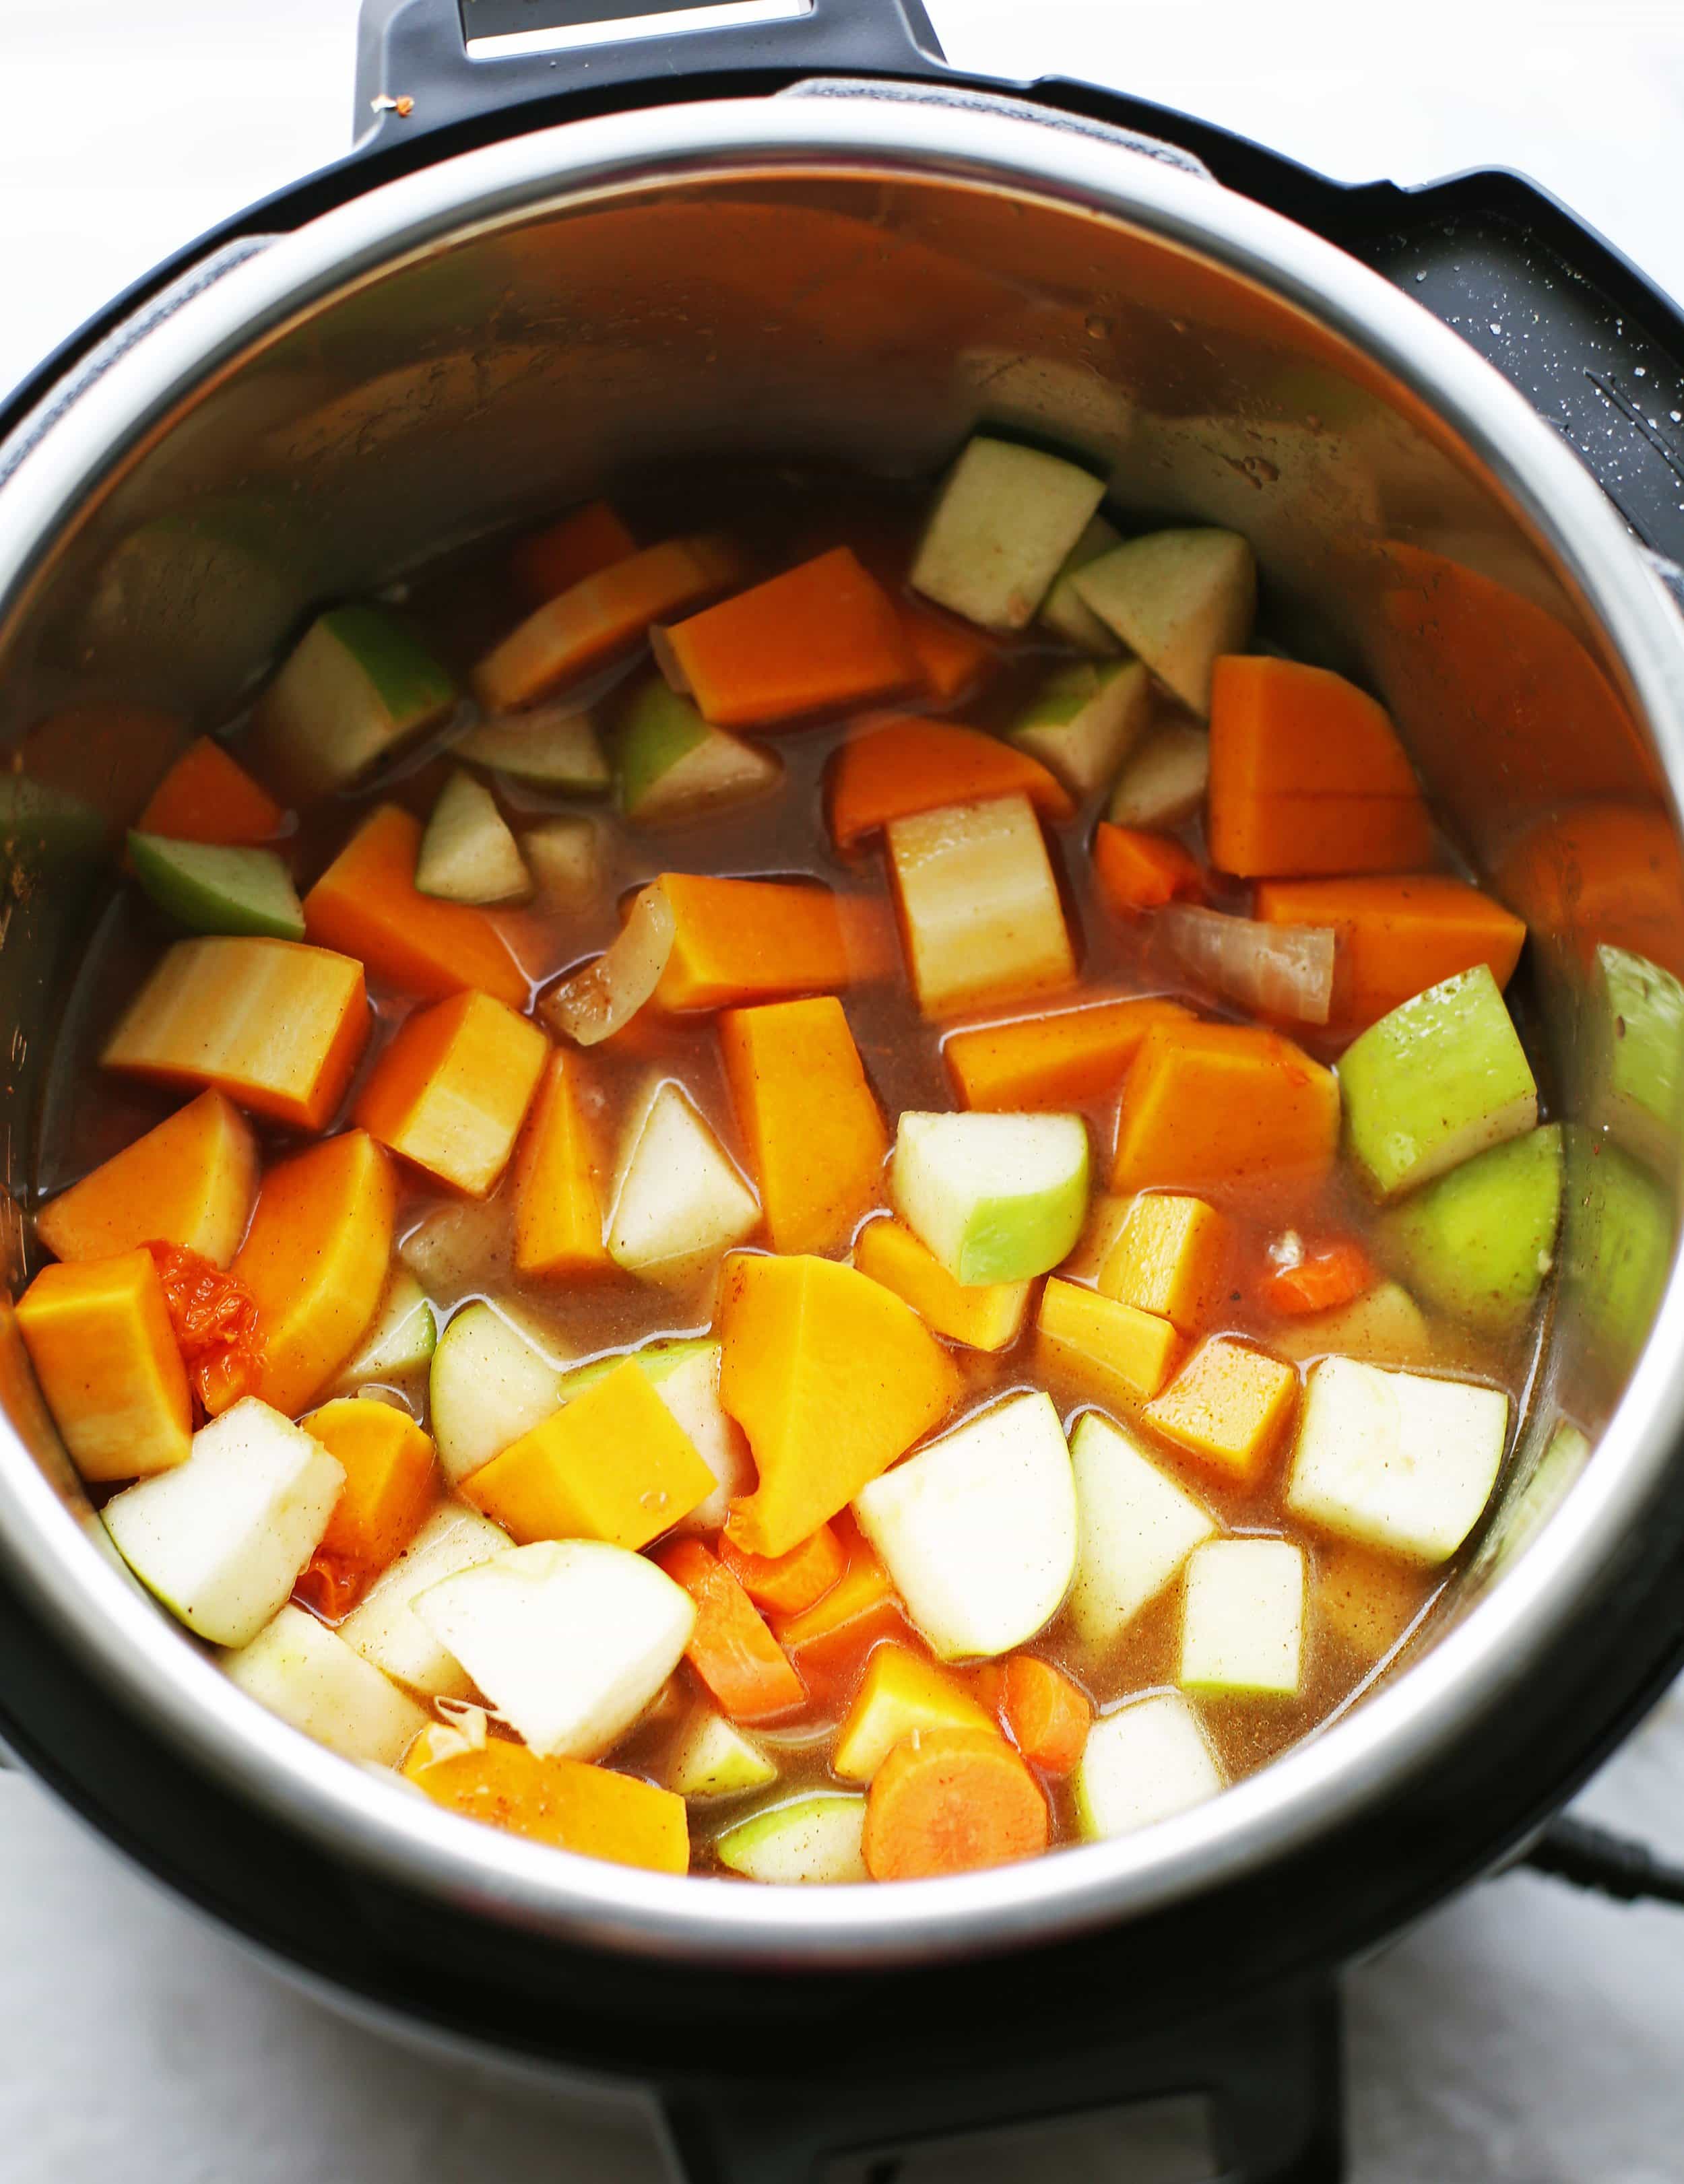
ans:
x=1146 y=1762
x=357 y=686
x=1136 y=1529
x=1179 y=599
x=308 y=1675
x=710 y=1758
x=1635 y=1043
x=467 y=852
x=1242 y=1620
x=1164 y=781
x=220 y=1539
x=383 y=1626
x=670 y=765
x=212 y=890
x=1003 y=525
x=1085 y=720
x=1532 y=1496
x=977 y=1531
x=550 y=747
x=569 y=1640
x=813 y=1840
x=1064 y=608
x=402 y=1339
x=997 y=1198
x=489 y=1386
x=1440 y=1079
x=679 y=1201
x=1478 y=1242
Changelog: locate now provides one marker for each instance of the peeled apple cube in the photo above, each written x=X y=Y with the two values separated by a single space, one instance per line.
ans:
x=308 y=1675
x=384 y=1628
x=568 y=1639
x=1146 y=1762
x=712 y=1757
x=977 y=1531
x=680 y=1202
x=688 y=1385
x=550 y=746
x=1178 y=598
x=489 y=1386
x=979 y=904
x=995 y=1198
x=402 y=1339
x=1242 y=1618
x=1005 y=520
x=221 y=1538
x=1397 y=1461
x=1137 y=1528
x=815 y=1840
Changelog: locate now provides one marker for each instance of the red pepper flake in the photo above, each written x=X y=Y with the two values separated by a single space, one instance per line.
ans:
x=215 y=1319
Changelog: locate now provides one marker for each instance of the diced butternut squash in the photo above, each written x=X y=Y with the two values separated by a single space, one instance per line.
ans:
x=1054 y=1060
x=895 y=769
x=388 y=1466
x=600 y=616
x=558 y=1204
x=986 y=1316
x=1173 y=1255
x=1136 y=872
x=747 y=1671
x=829 y=1642
x=831 y=1378
x=451 y=1091
x=191 y=1181
x=367 y=905
x=737 y=941
x=952 y=657
x=98 y=1336
x=1205 y=1104
x=1122 y=1354
x=902 y=1692
x=815 y=1135
x=1396 y=937
x=207 y=796
x=277 y=1026
x=563 y=1802
x=979 y=905
x=315 y=1259
x=613 y=1464
x=821 y=638
x=551 y=561
x=784 y=1584
x=1228 y=1407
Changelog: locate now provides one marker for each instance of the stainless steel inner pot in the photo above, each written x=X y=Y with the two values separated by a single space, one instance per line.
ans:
x=865 y=275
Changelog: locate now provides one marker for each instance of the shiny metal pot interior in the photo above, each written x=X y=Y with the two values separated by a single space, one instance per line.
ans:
x=864 y=276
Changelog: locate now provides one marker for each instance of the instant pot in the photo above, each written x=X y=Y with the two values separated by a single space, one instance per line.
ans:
x=566 y=246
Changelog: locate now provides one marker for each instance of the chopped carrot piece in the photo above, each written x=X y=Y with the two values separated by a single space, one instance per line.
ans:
x=563 y=1802
x=1327 y=1276
x=558 y=1207
x=1227 y=1406
x=987 y=1316
x=553 y=560
x=213 y=1318
x=750 y=941
x=787 y=1584
x=452 y=1091
x=1224 y=1103
x=1122 y=1354
x=1047 y=1716
x=906 y=765
x=1396 y=937
x=315 y=1258
x=815 y=1135
x=388 y=1466
x=207 y=796
x=1137 y=872
x=367 y=905
x=1053 y=1062
x=277 y=1026
x=902 y=1691
x=603 y=614
x=1171 y=1255
x=191 y=1181
x=831 y=1378
x=953 y=656
x=829 y=1642
x=747 y=1671
x=99 y=1338
x=949 y=1801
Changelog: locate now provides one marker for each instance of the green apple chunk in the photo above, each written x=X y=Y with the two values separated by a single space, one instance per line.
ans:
x=402 y=1339
x=1636 y=1049
x=1165 y=780
x=384 y=1628
x=221 y=1538
x=467 y=852
x=1397 y=1460
x=550 y=747
x=305 y=1673
x=489 y=1386
x=1242 y=1618
x=679 y=1201
x=1180 y=599
x=211 y=889
x=569 y=1640
x=563 y=856
x=672 y=765
x=356 y=687
x=1084 y=722
x=816 y=1840
x=709 y=1757
x=1146 y=1762
x=1479 y=1242
x=977 y=1531
x=1137 y=1527
x=1064 y=608
x=1443 y=1078
x=1002 y=526
x=997 y=1198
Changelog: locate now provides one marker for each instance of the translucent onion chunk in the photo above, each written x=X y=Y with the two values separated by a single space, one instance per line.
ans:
x=1278 y=970
x=600 y=999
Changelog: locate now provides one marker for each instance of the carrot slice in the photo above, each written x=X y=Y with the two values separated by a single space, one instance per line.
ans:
x=1396 y=937
x=895 y=768
x=949 y=1801
x=1326 y=1276
x=1137 y=871
x=207 y=796
x=553 y=560
x=951 y=655
x=731 y=1649
x=1208 y=1104
x=788 y=1584
x=1056 y=1060
x=1046 y=1715
x=735 y=941
x=829 y=1642
x=815 y=1134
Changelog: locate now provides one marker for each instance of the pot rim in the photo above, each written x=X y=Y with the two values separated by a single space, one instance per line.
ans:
x=1360 y=1757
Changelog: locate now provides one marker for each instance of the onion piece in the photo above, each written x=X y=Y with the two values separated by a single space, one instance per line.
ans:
x=1277 y=970
x=597 y=1001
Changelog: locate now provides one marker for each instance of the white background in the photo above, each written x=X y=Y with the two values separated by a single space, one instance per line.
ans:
x=1523 y=2035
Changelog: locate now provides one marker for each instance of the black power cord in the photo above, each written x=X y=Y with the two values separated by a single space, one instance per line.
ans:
x=1613 y=1865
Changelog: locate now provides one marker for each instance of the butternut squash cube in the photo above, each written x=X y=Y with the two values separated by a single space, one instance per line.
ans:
x=452 y=1091
x=191 y=1182
x=565 y=1803
x=815 y=1135
x=902 y=1692
x=98 y=1336
x=1172 y=1256
x=1122 y=1354
x=558 y=1206
x=1228 y=1407
x=990 y=1317
x=1207 y=1103
x=388 y=1466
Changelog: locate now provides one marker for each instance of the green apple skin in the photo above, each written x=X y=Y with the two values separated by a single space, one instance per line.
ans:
x=997 y=1198
x=212 y=890
x=357 y=685
x=1479 y=1242
x=816 y=1841
x=672 y=764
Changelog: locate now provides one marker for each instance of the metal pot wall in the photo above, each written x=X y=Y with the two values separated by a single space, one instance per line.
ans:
x=468 y=328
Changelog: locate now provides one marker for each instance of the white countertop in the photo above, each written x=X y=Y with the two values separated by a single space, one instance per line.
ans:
x=1524 y=2035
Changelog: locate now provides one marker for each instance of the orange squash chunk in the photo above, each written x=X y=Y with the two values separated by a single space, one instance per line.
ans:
x=1205 y=1104
x=98 y=1336
x=452 y=1091
x=553 y=560
x=1053 y=1062
x=315 y=1259
x=191 y=1181
x=985 y=1316
x=1396 y=937
x=207 y=796
x=814 y=1136
x=951 y=655
x=558 y=1207
x=563 y=1802
x=1136 y=872
x=743 y=1665
x=829 y=1642
x=897 y=768
x=750 y=941
x=1172 y=1256
x=1124 y=1354
x=784 y=1584
x=366 y=904
x=1228 y=1407
x=388 y=1462
x=831 y=1378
